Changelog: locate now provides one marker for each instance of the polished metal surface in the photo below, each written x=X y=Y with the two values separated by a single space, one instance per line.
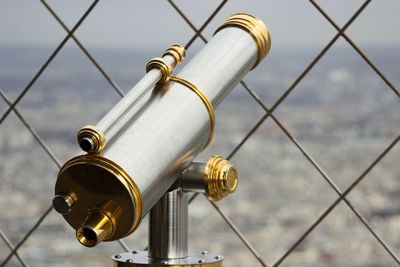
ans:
x=154 y=132
x=207 y=104
x=199 y=34
x=141 y=258
x=176 y=51
x=162 y=66
x=158 y=138
x=217 y=178
x=221 y=178
x=168 y=226
x=193 y=179
x=172 y=57
x=255 y=27
x=99 y=187
x=98 y=226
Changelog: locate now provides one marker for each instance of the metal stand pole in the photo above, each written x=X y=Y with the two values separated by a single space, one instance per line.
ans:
x=168 y=238
x=168 y=227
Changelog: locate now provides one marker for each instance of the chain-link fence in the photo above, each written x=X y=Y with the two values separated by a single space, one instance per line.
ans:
x=312 y=201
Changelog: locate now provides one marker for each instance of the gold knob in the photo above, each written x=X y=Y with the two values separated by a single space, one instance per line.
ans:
x=221 y=178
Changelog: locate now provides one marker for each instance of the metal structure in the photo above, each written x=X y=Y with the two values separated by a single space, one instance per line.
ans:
x=341 y=193
x=147 y=141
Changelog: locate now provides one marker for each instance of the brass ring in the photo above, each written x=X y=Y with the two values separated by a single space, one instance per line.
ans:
x=165 y=69
x=255 y=27
x=95 y=139
x=206 y=102
x=178 y=52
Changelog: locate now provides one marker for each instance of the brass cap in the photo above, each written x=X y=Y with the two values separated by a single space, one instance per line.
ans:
x=176 y=51
x=165 y=69
x=91 y=140
x=221 y=178
x=255 y=27
x=107 y=204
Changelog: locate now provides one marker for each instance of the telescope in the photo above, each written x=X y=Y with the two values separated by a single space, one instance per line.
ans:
x=138 y=158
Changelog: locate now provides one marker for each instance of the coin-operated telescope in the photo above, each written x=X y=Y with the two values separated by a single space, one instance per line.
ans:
x=139 y=155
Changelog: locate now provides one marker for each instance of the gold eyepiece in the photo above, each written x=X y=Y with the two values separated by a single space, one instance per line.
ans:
x=99 y=225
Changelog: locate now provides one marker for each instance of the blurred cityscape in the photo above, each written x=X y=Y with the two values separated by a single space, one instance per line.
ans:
x=342 y=113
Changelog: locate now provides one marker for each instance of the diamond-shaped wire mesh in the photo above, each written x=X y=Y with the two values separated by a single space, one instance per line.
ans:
x=327 y=189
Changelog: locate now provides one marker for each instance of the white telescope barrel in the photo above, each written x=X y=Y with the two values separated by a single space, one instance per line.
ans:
x=151 y=136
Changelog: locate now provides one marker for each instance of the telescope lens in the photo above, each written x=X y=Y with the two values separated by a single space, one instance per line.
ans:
x=86 y=144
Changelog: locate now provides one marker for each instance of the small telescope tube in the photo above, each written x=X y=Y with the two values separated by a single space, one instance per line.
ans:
x=145 y=84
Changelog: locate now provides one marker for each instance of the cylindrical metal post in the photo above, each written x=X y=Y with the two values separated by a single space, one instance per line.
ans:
x=168 y=238
x=168 y=226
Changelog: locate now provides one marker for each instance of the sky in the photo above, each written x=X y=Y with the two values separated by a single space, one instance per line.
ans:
x=154 y=23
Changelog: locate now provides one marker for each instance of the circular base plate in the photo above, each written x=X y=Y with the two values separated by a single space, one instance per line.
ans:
x=141 y=258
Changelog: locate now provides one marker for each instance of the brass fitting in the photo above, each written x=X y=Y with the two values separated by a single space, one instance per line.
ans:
x=217 y=178
x=91 y=140
x=255 y=27
x=176 y=51
x=99 y=225
x=165 y=69
x=221 y=178
x=100 y=192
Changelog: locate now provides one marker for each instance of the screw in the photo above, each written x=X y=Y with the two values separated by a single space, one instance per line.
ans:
x=205 y=252
x=218 y=257
x=117 y=256
x=201 y=261
x=164 y=262
x=135 y=252
x=129 y=260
